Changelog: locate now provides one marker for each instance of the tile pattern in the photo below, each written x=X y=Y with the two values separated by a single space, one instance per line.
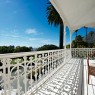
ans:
x=64 y=82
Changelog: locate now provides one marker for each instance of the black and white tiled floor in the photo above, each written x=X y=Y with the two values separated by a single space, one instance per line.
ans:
x=64 y=82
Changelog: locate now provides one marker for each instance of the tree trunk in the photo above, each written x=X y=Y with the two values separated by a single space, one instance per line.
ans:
x=61 y=36
x=76 y=34
x=86 y=34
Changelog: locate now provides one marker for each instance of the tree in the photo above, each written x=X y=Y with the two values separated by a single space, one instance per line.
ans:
x=78 y=38
x=76 y=32
x=6 y=49
x=68 y=46
x=74 y=44
x=54 y=18
x=22 y=49
x=47 y=47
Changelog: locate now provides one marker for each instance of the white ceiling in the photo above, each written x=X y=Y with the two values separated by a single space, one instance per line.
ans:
x=76 y=13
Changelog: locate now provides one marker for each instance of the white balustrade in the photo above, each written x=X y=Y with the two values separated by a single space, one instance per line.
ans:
x=82 y=52
x=20 y=73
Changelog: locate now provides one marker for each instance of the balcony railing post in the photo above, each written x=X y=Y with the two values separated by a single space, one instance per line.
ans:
x=18 y=76
x=31 y=70
x=9 y=76
x=70 y=43
x=65 y=42
x=36 y=70
x=4 y=75
x=48 y=64
x=25 y=69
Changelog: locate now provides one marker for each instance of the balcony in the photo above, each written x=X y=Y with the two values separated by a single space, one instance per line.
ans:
x=54 y=72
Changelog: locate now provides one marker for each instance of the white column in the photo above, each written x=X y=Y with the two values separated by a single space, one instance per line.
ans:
x=65 y=43
x=70 y=43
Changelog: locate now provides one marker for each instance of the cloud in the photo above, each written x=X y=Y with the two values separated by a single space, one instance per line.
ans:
x=31 y=31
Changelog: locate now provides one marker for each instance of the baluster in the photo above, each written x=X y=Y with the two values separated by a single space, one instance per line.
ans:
x=31 y=80
x=40 y=66
x=44 y=64
x=48 y=64
x=62 y=56
x=43 y=71
x=86 y=52
x=9 y=76
x=18 y=83
x=31 y=70
x=56 y=59
x=59 y=57
x=52 y=60
x=4 y=74
x=25 y=69
x=36 y=70
x=91 y=53
x=75 y=53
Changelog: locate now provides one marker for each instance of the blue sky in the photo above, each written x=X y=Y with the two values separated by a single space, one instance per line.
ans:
x=24 y=23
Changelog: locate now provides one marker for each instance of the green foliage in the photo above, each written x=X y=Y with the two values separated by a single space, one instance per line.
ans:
x=47 y=47
x=78 y=38
x=22 y=49
x=68 y=46
x=6 y=49
x=12 y=49
x=79 y=43
x=74 y=44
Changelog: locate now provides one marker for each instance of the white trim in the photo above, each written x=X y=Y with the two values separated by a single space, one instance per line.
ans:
x=65 y=41
x=57 y=4
x=70 y=41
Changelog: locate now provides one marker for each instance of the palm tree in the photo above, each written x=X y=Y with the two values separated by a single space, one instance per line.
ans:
x=86 y=32
x=54 y=18
x=76 y=32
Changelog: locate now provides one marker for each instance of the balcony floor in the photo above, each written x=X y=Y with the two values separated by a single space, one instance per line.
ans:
x=65 y=81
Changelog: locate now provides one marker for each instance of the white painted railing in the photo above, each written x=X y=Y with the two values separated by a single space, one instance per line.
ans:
x=20 y=73
x=82 y=52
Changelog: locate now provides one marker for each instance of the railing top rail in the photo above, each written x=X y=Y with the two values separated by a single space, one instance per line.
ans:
x=21 y=54
x=82 y=48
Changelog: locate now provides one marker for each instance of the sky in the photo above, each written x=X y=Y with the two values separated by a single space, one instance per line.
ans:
x=24 y=23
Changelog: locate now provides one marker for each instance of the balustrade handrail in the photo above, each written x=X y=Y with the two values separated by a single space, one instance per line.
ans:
x=21 y=54
x=82 y=52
